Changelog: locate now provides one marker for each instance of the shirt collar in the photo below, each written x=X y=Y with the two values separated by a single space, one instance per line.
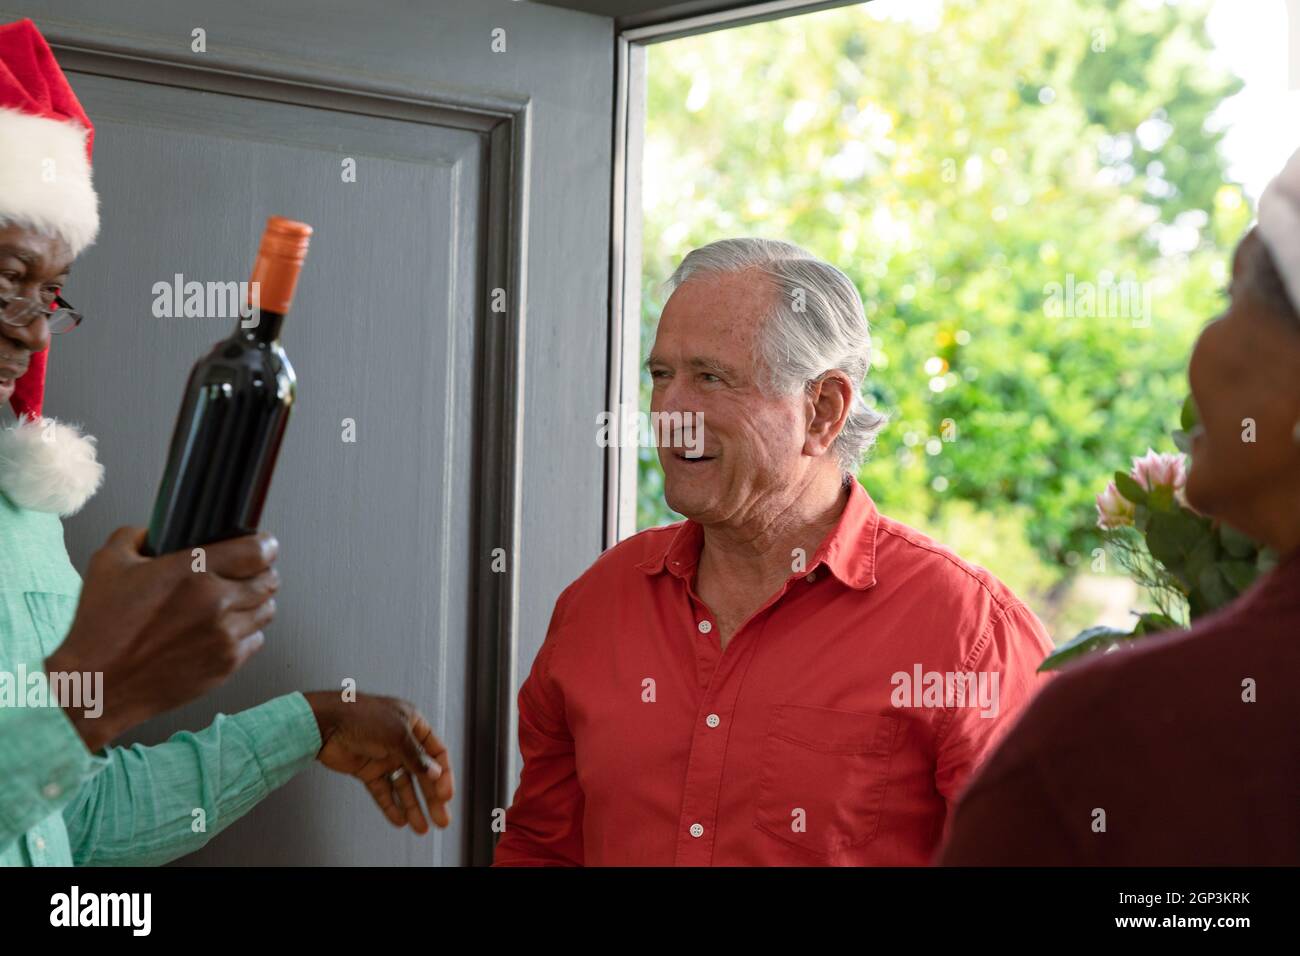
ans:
x=849 y=551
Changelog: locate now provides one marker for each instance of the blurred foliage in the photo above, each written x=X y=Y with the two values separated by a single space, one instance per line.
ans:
x=956 y=167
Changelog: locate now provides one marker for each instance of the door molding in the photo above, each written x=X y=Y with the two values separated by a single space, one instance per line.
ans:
x=504 y=121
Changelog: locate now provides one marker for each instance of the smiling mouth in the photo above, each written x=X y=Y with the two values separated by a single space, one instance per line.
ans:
x=691 y=459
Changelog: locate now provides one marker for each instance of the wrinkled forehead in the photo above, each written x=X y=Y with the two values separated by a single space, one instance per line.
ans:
x=40 y=251
x=732 y=304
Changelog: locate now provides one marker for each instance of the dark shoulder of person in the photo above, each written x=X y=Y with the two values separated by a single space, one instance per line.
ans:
x=1177 y=750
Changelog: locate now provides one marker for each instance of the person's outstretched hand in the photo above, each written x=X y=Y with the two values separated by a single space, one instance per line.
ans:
x=386 y=744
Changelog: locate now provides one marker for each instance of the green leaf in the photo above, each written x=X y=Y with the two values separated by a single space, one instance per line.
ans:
x=1183 y=441
x=1235 y=543
x=1161 y=498
x=1189 y=418
x=1085 y=642
x=1204 y=554
x=1153 y=623
x=1240 y=574
x=1141 y=516
x=1171 y=538
x=1129 y=488
x=1214 y=588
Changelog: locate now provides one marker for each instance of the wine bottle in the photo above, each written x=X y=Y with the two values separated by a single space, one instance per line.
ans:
x=234 y=411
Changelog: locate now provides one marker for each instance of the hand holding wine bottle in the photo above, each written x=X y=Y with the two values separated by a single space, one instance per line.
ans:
x=162 y=633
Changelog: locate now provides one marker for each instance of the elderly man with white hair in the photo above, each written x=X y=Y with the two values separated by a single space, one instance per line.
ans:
x=787 y=677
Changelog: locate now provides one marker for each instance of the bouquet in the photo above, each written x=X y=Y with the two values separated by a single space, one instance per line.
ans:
x=1188 y=564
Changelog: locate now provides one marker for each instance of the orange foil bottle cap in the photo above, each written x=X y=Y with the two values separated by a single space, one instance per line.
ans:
x=279 y=260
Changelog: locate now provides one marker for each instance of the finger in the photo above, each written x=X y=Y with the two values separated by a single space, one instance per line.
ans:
x=382 y=790
x=128 y=538
x=249 y=646
x=126 y=544
x=244 y=623
x=245 y=557
x=437 y=794
x=435 y=781
x=410 y=803
x=437 y=788
x=424 y=769
x=251 y=593
x=413 y=756
x=427 y=739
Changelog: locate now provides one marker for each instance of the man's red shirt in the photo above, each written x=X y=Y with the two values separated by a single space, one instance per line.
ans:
x=832 y=730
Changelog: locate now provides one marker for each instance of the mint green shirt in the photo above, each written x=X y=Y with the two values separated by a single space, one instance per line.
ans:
x=61 y=805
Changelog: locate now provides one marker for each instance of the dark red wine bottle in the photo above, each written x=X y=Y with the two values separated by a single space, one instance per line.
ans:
x=232 y=418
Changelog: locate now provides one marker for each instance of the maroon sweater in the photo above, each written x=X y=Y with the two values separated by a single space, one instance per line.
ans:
x=1158 y=737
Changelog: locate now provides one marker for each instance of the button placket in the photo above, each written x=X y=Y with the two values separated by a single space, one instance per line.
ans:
x=704 y=767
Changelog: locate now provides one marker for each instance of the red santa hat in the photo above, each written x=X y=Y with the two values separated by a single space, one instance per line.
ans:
x=45 y=148
x=45 y=183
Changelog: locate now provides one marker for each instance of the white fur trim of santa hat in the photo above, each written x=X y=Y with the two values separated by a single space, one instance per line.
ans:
x=45 y=178
x=46 y=465
x=1279 y=225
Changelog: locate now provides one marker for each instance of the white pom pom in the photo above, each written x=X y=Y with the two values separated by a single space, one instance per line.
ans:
x=48 y=466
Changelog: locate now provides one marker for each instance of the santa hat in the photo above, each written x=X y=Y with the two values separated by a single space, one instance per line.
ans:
x=45 y=183
x=1279 y=225
x=45 y=148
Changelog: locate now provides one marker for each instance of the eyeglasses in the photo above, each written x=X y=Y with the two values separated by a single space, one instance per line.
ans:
x=21 y=312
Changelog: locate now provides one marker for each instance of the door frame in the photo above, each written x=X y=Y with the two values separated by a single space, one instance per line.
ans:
x=623 y=371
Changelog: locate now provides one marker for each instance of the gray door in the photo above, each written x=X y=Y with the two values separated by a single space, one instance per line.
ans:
x=475 y=170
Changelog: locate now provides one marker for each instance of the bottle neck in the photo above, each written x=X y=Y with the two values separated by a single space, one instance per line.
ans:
x=263 y=327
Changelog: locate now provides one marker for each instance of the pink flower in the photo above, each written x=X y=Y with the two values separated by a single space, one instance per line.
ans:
x=1113 y=509
x=1154 y=470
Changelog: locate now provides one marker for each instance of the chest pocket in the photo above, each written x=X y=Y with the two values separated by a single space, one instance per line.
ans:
x=823 y=776
x=51 y=616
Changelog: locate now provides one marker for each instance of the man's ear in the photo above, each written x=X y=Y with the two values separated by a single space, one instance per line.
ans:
x=829 y=400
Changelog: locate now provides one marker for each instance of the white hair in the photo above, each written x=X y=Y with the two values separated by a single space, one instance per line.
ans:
x=816 y=325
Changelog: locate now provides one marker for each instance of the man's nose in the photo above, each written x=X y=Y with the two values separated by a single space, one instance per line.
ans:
x=34 y=337
x=675 y=396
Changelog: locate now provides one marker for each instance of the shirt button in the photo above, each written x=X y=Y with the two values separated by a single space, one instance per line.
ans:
x=705 y=626
x=40 y=843
x=812 y=576
x=713 y=720
x=51 y=791
x=697 y=830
